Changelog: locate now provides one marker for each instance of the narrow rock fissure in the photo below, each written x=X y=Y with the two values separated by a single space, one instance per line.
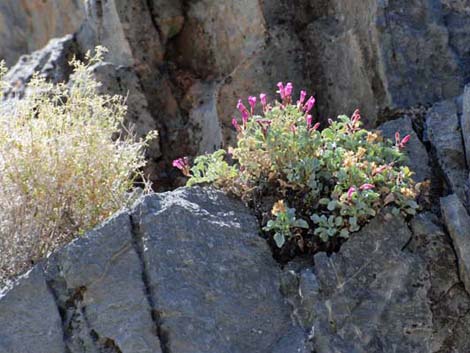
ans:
x=155 y=314
x=152 y=14
x=62 y=313
x=76 y=328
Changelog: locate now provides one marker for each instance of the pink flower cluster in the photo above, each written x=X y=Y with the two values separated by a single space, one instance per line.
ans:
x=286 y=98
x=401 y=143
x=363 y=187
x=183 y=165
x=354 y=124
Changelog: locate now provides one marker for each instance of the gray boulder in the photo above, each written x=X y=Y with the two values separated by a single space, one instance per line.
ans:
x=371 y=298
x=457 y=221
x=184 y=271
x=445 y=134
x=97 y=281
x=51 y=62
x=214 y=284
x=465 y=122
x=393 y=287
x=29 y=317
x=26 y=26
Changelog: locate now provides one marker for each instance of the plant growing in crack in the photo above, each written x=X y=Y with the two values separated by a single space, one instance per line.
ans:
x=334 y=179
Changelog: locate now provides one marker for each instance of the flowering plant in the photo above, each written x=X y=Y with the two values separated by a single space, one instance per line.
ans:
x=319 y=184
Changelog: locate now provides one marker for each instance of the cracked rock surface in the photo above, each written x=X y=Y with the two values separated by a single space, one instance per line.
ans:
x=186 y=271
x=183 y=272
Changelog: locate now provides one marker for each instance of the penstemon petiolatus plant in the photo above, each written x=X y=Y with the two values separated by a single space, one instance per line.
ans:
x=325 y=183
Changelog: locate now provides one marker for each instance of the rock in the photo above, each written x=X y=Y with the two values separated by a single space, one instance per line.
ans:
x=387 y=290
x=444 y=133
x=458 y=224
x=168 y=16
x=208 y=271
x=369 y=297
x=52 y=62
x=98 y=282
x=29 y=318
x=418 y=159
x=179 y=273
x=465 y=122
x=449 y=302
x=123 y=81
x=26 y=26
x=194 y=60
x=217 y=42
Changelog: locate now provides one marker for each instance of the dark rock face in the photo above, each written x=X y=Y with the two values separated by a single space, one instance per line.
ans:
x=445 y=135
x=183 y=272
x=391 y=288
x=458 y=224
x=97 y=281
x=193 y=60
x=372 y=296
x=186 y=272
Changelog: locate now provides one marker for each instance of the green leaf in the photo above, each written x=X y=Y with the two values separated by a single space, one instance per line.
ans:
x=344 y=233
x=279 y=240
x=339 y=221
x=331 y=205
x=316 y=218
x=331 y=232
x=300 y=223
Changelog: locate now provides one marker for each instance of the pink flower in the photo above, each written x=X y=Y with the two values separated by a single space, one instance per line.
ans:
x=182 y=164
x=397 y=138
x=351 y=191
x=252 y=101
x=281 y=90
x=366 y=187
x=309 y=105
x=244 y=118
x=263 y=99
x=293 y=128
x=316 y=126
x=301 y=100
x=330 y=121
x=288 y=90
x=309 y=120
x=241 y=107
x=356 y=117
x=403 y=142
x=235 y=125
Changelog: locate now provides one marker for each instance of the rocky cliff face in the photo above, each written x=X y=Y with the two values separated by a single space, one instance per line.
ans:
x=190 y=61
x=186 y=271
